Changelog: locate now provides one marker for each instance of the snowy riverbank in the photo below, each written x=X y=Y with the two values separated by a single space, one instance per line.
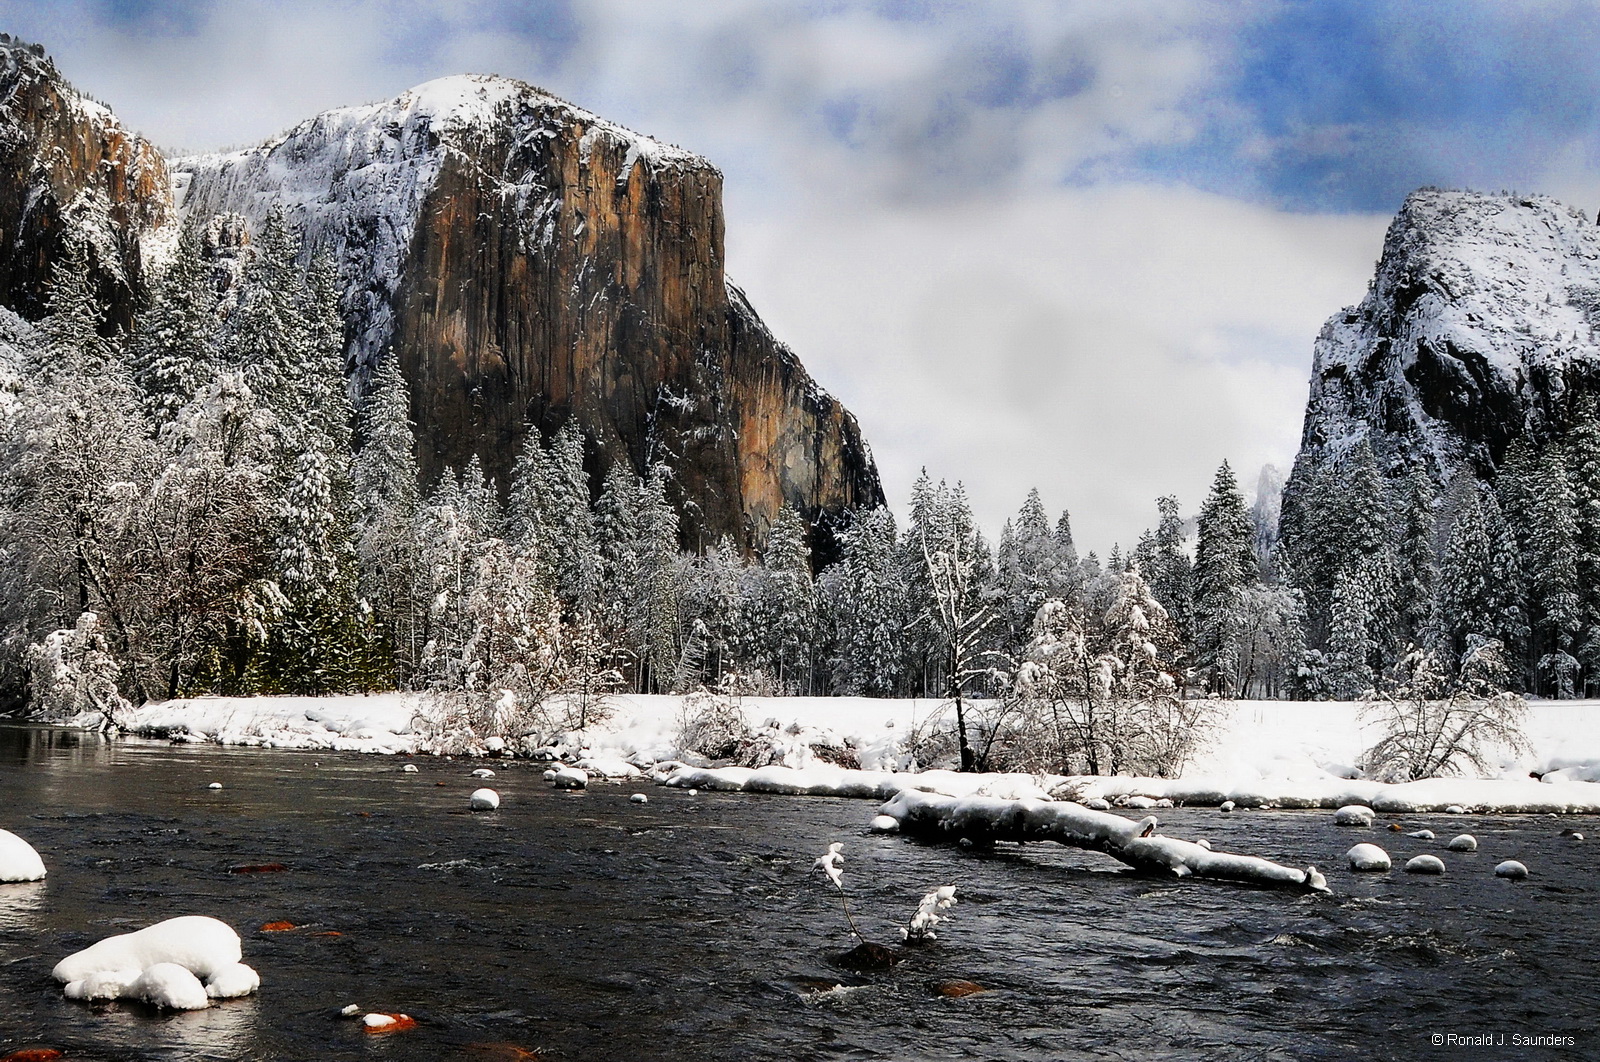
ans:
x=1266 y=753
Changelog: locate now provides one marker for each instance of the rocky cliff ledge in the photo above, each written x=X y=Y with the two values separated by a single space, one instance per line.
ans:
x=529 y=261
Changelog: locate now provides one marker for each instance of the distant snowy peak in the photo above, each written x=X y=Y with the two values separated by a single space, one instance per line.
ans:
x=1479 y=327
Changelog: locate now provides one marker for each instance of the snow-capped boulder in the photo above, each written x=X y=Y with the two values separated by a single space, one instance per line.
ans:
x=18 y=860
x=410 y=768
x=567 y=778
x=1353 y=815
x=484 y=800
x=884 y=824
x=1421 y=835
x=1455 y=809
x=1511 y=869
x=639 y=798
x=1425 y=864
x=1226 y=806
x=483 y=772
x=1368 y=857
x=1463 y=842
x=179 y=963
x=1097 y=804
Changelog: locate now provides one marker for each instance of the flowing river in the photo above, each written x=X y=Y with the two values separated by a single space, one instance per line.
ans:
x=585 y=926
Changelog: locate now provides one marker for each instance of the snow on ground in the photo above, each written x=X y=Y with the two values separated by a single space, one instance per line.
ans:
x=1265 y=753
x=182 y=963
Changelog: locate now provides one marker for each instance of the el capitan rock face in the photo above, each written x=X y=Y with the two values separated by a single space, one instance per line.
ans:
x=528 y=261
x=67 y=166
x=1478 y=329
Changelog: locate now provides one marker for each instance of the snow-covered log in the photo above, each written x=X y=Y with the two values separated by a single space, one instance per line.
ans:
x=985 y=819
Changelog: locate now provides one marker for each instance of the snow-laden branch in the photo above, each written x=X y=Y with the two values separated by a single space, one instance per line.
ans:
x=985 y=819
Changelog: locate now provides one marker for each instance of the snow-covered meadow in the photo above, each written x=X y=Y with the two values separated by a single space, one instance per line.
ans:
x=1264 y=753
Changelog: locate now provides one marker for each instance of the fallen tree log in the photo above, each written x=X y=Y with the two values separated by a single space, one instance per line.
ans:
x=985 y=819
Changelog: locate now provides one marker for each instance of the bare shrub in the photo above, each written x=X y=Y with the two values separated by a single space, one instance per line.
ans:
x=711 y=725
x=1438 y=721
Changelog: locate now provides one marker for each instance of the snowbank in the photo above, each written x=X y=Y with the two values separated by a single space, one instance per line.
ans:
x=18 y=860
x=1266 y=754
x=181 y=963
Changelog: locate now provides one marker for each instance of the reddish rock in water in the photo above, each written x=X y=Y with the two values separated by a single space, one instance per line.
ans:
x=278 y=927
x=33 y=1054
x=257 y=868
x=380 y=1024
x=957 y=989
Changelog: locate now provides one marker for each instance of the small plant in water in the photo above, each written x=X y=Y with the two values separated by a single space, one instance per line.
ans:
x=928 y=916
x=831 y=863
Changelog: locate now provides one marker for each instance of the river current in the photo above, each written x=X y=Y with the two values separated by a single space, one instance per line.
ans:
x=586 y=926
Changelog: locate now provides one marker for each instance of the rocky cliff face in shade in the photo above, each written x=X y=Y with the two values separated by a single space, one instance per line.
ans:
x=528 y=261
x=68 y=166
x=1478 y=328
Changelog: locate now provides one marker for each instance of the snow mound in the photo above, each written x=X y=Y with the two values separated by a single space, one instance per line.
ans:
x=483 y=772
x=1463 y=842
x=567 y=778
x=1368 y=857
x=1421 y=835
x=18 y=860
x=1425 y=864
x=484 y=800
x=1511 y=869
x=181 y=963
x=639 y=798
x=1353 y=815
x=884 y=824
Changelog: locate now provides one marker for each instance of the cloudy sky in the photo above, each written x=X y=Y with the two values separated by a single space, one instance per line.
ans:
x=1084 y=246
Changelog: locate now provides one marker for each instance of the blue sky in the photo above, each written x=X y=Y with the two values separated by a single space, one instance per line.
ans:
x=1080 y=245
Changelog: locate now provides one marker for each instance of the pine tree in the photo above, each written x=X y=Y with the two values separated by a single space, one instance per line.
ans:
x=1168 y=570
x=653 y=617
x=1351 y=646
x=616 y=527
x=864 y=599
x=1031 y=566
x=172 y=346
x=1417 y=567
x=1467 y=579
x=569 y=523
x=782 y=604
x=387 y=500
x=1225 y=565
x=1552 y=542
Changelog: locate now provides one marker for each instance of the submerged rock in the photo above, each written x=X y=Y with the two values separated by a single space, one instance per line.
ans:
x=868 y=956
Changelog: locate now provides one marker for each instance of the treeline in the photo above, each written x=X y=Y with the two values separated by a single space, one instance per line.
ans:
x=200 y=506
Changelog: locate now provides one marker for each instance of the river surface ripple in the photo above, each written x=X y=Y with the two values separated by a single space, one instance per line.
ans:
x=584 y=926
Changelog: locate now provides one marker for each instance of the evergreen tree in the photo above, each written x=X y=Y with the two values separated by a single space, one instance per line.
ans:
x=781 y=606
x=653 y=616
x=1167 y=569
x=569 y=524
x=1467 y=579
x=864 y=599
x=387 y=501
x=616 y=526
x=1552 y=543
x=1351 y=646
x=1225 y=564
x=1031 y=566
x=172 y=346
x=1416 y=564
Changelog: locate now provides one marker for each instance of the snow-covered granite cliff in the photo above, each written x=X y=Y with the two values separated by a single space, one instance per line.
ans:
x=527 y=260
x=1478 y=328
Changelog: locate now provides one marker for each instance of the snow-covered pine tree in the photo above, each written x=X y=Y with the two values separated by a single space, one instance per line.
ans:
x=480 y=502
x=1167 y=568
x=387 y=501
x=1031 y=566
x=171 y=348
x=1416 y=564
x=1508 y=594
x=1582 y=450
x=616 y=528
x=1467 y=578
x=1351 y=646
x=569 y=523
x=1225 y=565
x=1552 y=542
x=653 y=617
x=781 y=609
x=864 y=598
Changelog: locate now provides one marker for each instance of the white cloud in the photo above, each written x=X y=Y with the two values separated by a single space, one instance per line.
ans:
x=1106 y=345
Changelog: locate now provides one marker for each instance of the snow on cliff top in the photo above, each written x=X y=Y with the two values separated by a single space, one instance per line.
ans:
x=1508 y=282
x=353 y=180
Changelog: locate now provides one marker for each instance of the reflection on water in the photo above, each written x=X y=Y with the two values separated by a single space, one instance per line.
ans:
x=694 y=928
x=19 y=906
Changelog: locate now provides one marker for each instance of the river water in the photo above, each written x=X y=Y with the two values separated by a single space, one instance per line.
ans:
x=584 y=926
